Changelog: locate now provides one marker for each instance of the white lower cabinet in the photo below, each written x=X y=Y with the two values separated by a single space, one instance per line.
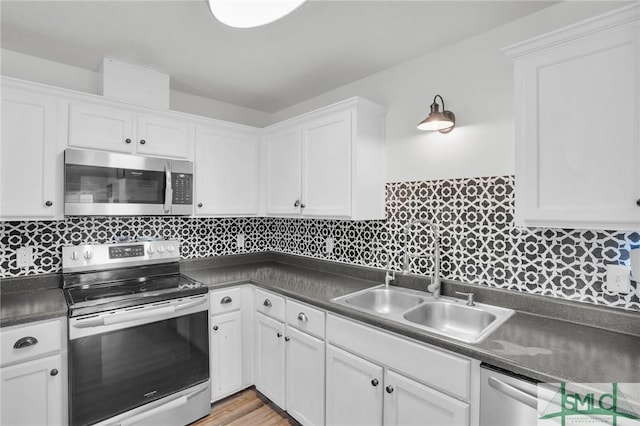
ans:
x=33 y=379
x=354 y=389
x=226 y=354
x=304 y=356
x=270 y=359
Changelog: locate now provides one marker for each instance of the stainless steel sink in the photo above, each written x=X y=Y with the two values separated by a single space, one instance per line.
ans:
x=384 y=300
x=443 y=315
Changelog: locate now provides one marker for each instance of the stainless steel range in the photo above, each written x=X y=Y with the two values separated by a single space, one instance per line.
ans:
x=138 y=335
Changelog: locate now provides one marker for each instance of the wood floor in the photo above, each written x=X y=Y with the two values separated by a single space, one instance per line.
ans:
x=246 y=408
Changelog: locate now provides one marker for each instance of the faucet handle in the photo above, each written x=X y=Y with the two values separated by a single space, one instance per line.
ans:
x=470 y=301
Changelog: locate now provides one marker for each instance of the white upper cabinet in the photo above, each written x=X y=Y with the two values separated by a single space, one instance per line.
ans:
x=327 y=163
x=577 y=99
x=117 y=128
x=30 y=155
x=226 y=171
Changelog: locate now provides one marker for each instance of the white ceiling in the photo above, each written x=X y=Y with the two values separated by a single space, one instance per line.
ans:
x=320 y=46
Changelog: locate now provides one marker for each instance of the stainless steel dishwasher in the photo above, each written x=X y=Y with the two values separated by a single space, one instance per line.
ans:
x=507 y=399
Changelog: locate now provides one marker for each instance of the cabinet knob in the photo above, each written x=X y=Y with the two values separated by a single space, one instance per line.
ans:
x=638 y=202
x=389 y=389
x=199 y=204
x=302 y=317
x=225 y=300
x=286 y=339
x=142 y=141
x=374 y=382
x=279 y=335
x=297 y=203
x=127 y=140
x=48 y=203
x=54 y=372
x=215 y=328
x=25 y=342
x=302 y=206
x=267 y=303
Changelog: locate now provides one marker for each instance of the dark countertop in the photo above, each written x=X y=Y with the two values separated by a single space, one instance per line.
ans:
x=34 y=305
x=545 y=349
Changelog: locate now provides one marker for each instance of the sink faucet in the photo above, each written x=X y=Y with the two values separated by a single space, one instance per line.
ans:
x=434 y=287
x=389 y=276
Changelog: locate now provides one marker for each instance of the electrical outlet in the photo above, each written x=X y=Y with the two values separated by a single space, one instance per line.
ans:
x=329 y=244
x=618 y=279
x=24 y=257
x=240 y=241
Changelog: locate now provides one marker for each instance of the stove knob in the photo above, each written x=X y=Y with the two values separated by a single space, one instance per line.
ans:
x=160 y=249
x=170 y=249
x=75 y=255
x=87 y=254
x=150 y=250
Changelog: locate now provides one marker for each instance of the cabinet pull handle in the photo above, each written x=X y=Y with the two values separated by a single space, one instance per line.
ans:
x=25 y=342
x=226 y=300
x=302 y=317
x=48 y=203
x=279 y=335
x=142 y=141
x=374 y=382
x=54 y=372
x=267 y=303
x=286 y=339
x=127 y=140
x=389 y=389
x=215 y=328
x=297 y=203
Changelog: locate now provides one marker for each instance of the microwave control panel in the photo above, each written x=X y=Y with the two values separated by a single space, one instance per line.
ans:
x=182 y=184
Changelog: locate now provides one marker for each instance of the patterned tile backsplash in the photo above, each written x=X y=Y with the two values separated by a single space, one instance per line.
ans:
x=479 y=242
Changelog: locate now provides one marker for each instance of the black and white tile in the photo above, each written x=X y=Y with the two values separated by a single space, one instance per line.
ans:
x=480 y=243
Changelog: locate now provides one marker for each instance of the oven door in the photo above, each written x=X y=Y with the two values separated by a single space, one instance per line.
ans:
x=123 y=359
x=106 y=184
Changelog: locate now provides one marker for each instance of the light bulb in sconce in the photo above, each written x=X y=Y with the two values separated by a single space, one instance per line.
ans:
x=634 y=260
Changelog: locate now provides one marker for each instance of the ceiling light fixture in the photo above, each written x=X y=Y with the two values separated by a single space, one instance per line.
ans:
x=444 y=121
x=251 y=13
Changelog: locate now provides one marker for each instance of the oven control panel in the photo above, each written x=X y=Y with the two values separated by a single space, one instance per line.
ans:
x=88 y=257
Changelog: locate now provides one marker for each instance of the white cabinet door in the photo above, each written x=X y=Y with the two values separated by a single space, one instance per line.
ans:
x=407 y=402
x=30 y=175
x=283 y=173
x=354 y=390
x=270 y=370
x=226 y=354
x=305 y=377
x=163 y=136
x=226 y=175
x=326 y=168
x=101 y=127
x=32 y=393
x=577 y=130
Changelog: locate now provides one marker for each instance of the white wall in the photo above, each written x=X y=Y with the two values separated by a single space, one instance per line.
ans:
x=475 y=79
x=43 y=71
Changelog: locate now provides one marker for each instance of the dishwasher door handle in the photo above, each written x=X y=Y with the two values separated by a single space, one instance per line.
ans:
x=513 y=392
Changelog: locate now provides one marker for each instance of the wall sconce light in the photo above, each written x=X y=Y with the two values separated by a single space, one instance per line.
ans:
x=444 y=121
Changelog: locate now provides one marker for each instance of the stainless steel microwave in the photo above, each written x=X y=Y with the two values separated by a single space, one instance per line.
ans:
x=100 y=183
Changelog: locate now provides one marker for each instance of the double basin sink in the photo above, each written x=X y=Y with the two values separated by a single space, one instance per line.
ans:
x=443 y=315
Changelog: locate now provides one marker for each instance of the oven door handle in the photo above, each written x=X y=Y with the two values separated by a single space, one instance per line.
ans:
x=168 y=190
x=117 y=319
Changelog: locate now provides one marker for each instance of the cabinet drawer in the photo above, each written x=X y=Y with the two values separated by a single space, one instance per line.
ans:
x=305 y=318
x=438 y=369
x=35 y=339
x=270 y=304
x=225 y=300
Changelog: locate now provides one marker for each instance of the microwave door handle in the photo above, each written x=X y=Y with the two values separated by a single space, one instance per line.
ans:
x=168 y=191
